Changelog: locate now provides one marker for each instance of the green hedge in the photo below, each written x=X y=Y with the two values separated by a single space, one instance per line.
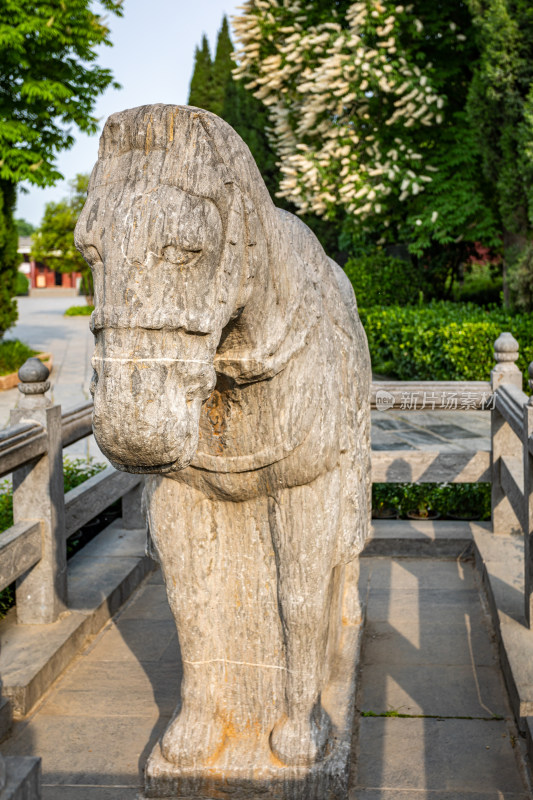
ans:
x=442 y=340
x=22 y=285
x=447 y=499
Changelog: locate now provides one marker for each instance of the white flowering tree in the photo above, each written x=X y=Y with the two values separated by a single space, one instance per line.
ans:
x=366 y=107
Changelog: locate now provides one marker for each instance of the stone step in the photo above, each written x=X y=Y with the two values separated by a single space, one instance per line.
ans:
x=422 y=538
x=23 y=779
x=101 y=577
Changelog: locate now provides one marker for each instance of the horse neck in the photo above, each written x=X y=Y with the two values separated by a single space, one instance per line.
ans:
x=273 y=323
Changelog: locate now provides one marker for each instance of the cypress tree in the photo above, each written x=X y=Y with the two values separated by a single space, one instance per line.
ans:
x=213 y=88
x=221 y=78
x=200 y=90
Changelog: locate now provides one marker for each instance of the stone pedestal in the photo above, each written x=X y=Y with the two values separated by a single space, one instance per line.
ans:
x=246 y=767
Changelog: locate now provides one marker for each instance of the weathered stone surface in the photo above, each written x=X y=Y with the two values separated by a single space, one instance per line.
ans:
x=231 y=367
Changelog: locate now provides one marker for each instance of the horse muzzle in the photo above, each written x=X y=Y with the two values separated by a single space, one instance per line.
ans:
x=147 y=411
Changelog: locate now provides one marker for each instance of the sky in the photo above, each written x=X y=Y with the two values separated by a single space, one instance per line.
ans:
x=152 y=58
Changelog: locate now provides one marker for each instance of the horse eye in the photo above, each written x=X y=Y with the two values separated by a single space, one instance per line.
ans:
x=176 y=255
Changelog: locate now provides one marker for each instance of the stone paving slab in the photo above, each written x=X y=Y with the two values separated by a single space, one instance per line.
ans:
x=421 y=539
x=434 y=689
x=416 y=755
x=429 y=649
x=449 y=642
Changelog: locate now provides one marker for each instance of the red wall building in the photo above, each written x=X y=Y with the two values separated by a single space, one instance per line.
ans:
x=39 y=275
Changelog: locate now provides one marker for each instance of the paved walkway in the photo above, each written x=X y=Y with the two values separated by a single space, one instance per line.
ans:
x=428 y=655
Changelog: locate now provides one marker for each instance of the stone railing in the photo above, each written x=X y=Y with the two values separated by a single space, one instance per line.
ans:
x=508 y=465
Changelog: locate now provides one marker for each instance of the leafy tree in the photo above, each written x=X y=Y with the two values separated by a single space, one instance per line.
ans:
x=53 y=242
x=367 y=105
x=221 y=77
x=9 y=259
x=49 y=80
x=24 y=228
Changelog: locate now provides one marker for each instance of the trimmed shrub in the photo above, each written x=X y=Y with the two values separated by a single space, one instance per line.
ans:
x=447 y=499
x=442 y=341
x=13 y=354
x=79 y=311
x=22 y=285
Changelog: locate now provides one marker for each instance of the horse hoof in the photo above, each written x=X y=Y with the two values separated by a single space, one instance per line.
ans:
x=189 y=742
x=300 y=742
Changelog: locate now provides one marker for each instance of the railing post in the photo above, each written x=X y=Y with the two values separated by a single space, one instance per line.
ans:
x=132 y=516
x=503 y=440
x=38 y=494
x=528 y=502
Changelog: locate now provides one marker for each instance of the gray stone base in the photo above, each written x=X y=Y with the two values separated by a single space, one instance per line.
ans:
x=247 y=769
x=23 y=779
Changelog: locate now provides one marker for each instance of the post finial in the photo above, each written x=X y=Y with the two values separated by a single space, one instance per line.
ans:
x=506 y=348
x=505 y=354
x=33 y=376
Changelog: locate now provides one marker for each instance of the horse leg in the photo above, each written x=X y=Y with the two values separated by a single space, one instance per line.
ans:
x=183 y=528
x=304 y=523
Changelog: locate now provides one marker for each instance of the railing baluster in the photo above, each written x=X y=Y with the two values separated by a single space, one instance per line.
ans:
x=38 y=494
x=528 y=504
x=504 y=440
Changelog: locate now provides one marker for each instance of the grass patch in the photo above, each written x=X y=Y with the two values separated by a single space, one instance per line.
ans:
x=79 y=311
x=75 y=471
x=394 y=713
x=13 y=354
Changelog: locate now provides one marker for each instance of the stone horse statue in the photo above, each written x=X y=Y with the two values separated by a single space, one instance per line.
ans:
x=231 y=367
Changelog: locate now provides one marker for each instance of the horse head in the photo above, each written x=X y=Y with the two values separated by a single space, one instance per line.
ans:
x=168 y=231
